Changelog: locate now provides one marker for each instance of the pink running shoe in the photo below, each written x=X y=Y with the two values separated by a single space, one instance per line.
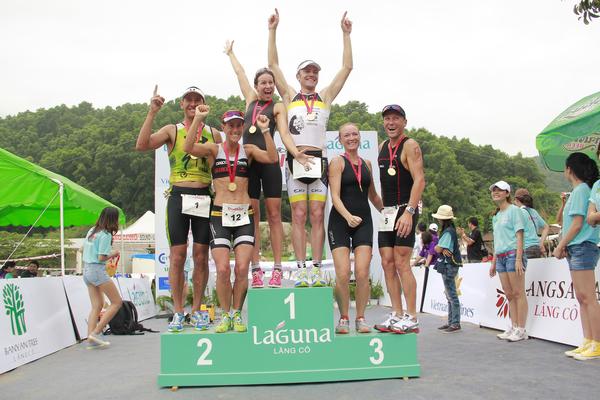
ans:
x=257 y=279
x=275 y=281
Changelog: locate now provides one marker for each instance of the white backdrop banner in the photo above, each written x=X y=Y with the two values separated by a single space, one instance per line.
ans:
x=137 y=290
x=554 y=313
x=34 y=321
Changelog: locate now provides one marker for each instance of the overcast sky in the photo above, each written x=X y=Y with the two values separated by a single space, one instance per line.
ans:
x=496 y=72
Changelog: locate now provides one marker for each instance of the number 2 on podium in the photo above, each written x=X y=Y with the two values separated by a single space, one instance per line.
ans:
x=290 y=300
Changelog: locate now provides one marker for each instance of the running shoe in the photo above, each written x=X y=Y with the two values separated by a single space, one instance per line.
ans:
x=343 y=327
x=517 y=335
x=275 y=281
x=361 y=326
x=386 y=325
x=225 y=325
x=590 y=353
x=316 y=277
x=302 y=278
x=95 y=342
x=238 y=323
x=176 y=324
x=504 y=335
x=257 y=279
x=580 y=349
x=407 y=324
x=199 y=322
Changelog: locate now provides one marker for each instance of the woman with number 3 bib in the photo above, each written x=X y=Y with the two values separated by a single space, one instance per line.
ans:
x=350 y=226
x=231 y=217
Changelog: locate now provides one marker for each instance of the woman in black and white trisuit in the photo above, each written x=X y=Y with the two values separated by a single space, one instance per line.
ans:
x=259 y=101
x=231 y=217
x=350 y=225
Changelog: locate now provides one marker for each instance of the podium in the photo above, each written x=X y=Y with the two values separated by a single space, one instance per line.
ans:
x=290 y=339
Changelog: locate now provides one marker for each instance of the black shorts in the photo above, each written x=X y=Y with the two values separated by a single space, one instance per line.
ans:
x=340 y=234
x=221 y=236
x=178 y=224
x=270 y=177
x=391 y=238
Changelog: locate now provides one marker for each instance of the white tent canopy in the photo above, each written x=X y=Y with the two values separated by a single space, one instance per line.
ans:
x=141 y=230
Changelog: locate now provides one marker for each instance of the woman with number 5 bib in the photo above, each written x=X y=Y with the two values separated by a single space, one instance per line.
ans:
x=350 y=226
x=231 y=217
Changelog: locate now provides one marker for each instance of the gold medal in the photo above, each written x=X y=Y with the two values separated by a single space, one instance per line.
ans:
x=193 y=157
x=252 y=129
x=232 y=186
x=391 y=171
x=311 y=116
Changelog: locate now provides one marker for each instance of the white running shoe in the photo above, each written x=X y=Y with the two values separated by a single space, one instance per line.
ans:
x=518 y=334
x=504 y=335
x=407 y=324
x=316 y=277
x=302 y=278
x=385 y=326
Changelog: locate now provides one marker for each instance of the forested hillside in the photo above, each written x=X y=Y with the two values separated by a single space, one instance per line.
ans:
x=96 y=148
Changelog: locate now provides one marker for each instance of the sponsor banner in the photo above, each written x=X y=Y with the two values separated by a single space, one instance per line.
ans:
x=137 y=290
x=34 y=320
x=554 y=313
x=471 y=283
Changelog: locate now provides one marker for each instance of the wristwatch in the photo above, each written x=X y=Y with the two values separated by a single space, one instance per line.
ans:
x=411 y=210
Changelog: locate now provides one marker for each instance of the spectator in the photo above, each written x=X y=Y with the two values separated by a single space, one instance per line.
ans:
x=427 y=254
x=421 y=227
x=32 y=270
x=8 y=270
x=476 y=250
x=534 y=244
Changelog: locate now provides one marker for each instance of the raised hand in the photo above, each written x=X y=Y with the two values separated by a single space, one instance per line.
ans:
x=274 y=20
x=346 y=23
x=228 y=47
x=262 y=122
x=202 y=111
x=157 y=100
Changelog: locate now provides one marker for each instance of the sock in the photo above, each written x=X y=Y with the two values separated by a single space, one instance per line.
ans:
x=277 y=267
x=360 y=317
x=317 y=264
x=301 y=263
x=255 y=267
x=344 y=317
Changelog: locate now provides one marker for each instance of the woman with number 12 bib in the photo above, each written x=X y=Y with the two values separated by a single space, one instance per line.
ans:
x=231 y=216
x=351 y=226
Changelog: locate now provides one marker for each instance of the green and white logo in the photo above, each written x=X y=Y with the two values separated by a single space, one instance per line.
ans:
x=15 y=308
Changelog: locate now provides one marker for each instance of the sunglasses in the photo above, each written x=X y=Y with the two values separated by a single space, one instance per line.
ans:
x=394 y=107
x=232 y=114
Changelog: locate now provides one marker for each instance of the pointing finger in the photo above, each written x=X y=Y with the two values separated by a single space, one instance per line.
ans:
x=155 y=90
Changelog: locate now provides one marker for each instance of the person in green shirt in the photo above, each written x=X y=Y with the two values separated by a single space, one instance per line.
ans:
x=509 y=259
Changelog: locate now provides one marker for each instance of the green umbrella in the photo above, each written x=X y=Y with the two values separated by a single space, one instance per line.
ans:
x=29 y=192
x=577 y=129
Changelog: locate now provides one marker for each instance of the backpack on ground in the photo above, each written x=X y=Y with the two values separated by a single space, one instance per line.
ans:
x=125 y=321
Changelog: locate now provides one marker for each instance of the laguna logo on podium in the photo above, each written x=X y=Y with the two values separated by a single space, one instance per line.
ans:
x=299 y=339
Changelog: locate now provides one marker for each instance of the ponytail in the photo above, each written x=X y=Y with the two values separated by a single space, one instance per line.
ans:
x=583 y=167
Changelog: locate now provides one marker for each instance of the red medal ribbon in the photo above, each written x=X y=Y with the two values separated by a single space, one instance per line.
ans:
x=312 y=102
x=358 y=171
x=259 y=109
x=199 y=133
x=393 y=154
x=230 y=170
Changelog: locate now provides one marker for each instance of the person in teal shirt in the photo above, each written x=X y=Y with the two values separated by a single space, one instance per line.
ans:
x=96 y=251
x=579 y=244
x=509 y=259
x=447 y=264
x=534 y=223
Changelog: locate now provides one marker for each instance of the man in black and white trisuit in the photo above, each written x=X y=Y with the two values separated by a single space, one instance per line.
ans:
x=308 y=114
x=402 y=184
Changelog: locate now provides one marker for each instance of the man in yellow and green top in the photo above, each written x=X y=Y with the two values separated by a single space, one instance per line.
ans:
x=189 y=199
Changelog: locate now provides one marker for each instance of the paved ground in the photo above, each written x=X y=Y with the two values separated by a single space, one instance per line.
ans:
x=472 y=364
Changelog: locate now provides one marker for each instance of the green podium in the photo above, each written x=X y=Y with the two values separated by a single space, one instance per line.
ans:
x=290 y=339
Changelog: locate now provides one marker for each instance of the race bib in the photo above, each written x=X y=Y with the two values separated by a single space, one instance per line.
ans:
x=196 y=205
x=310 y=171
x=235 y=215
x=387 y=219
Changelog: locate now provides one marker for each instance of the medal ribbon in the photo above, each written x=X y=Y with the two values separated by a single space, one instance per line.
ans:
x=231 y=170
x=259 y=109
x=396 y=147
x=312 y=103
x=358 y=171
